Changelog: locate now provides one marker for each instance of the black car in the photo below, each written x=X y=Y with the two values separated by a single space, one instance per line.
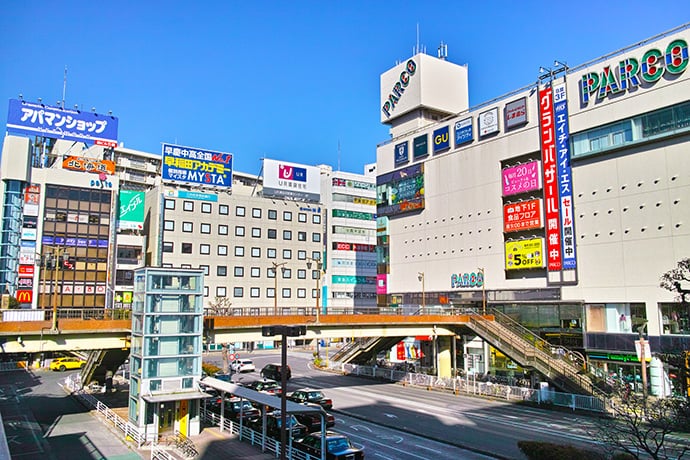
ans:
x=313 y=421
x=235 y=407
x=265 y=386
x=272 y=371
x=338 y=446
x=273 y=421
x=311 y=396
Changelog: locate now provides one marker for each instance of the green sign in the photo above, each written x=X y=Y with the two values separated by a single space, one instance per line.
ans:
x=130 y=214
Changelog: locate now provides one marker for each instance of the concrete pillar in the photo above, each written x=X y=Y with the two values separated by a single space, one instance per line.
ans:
x=445 y=357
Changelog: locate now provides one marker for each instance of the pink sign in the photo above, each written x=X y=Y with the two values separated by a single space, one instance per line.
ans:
x=381 y=286
x=521 y=178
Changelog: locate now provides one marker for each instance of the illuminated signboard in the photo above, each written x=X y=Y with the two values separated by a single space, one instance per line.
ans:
x=525 y=215
x=381 y=284
x=355 y=247
x=631 y=73
x=420 y=147
x=441 y=139
x=402 y=155
x=36 y=119
x=291 y=180
x=192 y=166
x=400 y=191
x=550 y=172
x=352 y=214
x=131 y=210
x=466 y=280
x=354 y=184
x=521 y=178
x=524 y=254
x=89 y=165
x=353 y=279
x=187 y=195
x=26 y=271
x=399 y=88
x=488 y=122
x=24 y=296
x=463 y=131
x=516 y=113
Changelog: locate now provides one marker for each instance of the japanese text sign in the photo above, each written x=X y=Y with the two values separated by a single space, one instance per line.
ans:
x=194 y=166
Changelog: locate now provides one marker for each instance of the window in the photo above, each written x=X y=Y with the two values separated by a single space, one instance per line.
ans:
x=272 y=233
x=256 y=232
x=316 y=255
x=221 y=291
x=205 y=291
x=287 y=273
x=205 y=249
x=270 y=293
x=316 y=218
x=188 y=206
x=272 y=214
x=187 y=227
x=167 y=246
x=287 y=216
x=222 y=250
x=301 y=274
x=222 y=229
x=301 y=293
x=205 y=268
x=221 y=270
x=206 y=208
x=256 y=213
x=287 y=293
x=271 y=253
x=186 y=248
x=206 y=228
x=169 y=225
x=185 y=266
x=238 y=292
x=169 y=204
x=256 y=252
x=240 y=211
x=287 y=253
x=301 y=236
x=239 y=272
x=239 y=230
x=287 y=234
x=255 y=272
x=316 y=237
x=271 y=272
x=302 y=217
x=301 y=255
x=223 y=209
x=255 y=292
x=239 y=251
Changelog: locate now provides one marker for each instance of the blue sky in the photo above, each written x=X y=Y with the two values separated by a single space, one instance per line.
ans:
x=288 y=81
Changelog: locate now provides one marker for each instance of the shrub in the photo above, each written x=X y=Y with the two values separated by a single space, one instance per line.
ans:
x=210 y=369
x=535 y=450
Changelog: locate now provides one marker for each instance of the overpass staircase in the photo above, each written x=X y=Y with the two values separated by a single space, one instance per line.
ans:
x=100 y=362
x=363 y=349
x=562 y=367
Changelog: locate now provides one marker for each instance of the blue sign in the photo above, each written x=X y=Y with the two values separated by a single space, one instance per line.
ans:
x=463 y=131
x=441 y=139
x=197 y=196
x=401 y=154
x=194 y=166
x=36 y=119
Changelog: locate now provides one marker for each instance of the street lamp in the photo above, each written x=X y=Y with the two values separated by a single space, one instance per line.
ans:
x=61 y=256
x=275 y=285
x=481 y=270
x=319 y=266
x=420 y=277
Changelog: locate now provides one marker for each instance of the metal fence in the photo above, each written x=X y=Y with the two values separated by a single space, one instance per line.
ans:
x=471 y=386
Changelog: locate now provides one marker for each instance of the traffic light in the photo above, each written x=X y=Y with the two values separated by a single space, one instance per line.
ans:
x=269 y=331
x=295 y=331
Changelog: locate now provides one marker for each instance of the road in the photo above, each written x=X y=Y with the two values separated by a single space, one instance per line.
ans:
x=396 y=422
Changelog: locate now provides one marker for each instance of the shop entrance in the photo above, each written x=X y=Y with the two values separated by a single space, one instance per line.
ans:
x=166 y=420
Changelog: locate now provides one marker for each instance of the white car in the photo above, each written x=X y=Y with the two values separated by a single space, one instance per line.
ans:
x=243 y=365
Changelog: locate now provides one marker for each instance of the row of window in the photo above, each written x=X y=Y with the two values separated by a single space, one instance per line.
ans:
x=272 y=233
x=255 y=272
x=255 y=292
x=241 y=211
x=222 y=250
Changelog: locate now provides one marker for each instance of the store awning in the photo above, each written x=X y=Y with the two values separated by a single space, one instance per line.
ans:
x=158 y=398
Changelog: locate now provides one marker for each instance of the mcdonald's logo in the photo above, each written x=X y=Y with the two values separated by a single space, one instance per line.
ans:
x=25 y=296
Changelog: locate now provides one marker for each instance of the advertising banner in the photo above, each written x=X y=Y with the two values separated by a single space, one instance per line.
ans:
x=525 y=215
x=441 y=139
x=402 y=155
x=550 y=172
x=192 y=166
x=131 y=210
x=89 y=165
x=24 y=296
x=516 y=113
x=420 y=147
x=488 y=122
x=381 y=284
x=521 y=178
x=292 y=180
x=26 y=271
x=187 y=195
x=524 y=254
x=463 y=131
x=400 y=191
x=35 y=119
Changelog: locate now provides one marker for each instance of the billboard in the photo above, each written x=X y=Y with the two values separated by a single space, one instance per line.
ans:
x=292 y=180
x=402 y=155
x=524 y=215
x=550 y=173
x=130 y=214
x=192 y=166
x=522 y=178
x=516 y=113
x=36 y=119
x=394 y=84
x=400 y=191
x=420 y=147
x=441 y=139
x=524 y=254
x=89 y=165
x=488 y=122
x=463 y=131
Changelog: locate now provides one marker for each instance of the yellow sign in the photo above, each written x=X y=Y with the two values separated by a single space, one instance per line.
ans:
x=525 y=254
x=362 y=200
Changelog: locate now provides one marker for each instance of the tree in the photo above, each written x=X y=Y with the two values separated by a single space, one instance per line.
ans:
x=673 y=279
x=219 y=305
x=642 y=428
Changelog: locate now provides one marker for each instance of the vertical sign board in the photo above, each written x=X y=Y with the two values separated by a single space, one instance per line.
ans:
x=420 y=147
x=548 y=158
x=402 y=155
x=441 y=139
x=463 y=131
x=131 y=210
x=560 y=105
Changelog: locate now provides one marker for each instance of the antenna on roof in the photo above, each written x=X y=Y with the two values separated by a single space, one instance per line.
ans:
x=443 y=51
x=416 y=48
x=64 y=88
x=338 y=154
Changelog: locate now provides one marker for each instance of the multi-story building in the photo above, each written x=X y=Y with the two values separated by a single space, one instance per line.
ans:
x=560 y=204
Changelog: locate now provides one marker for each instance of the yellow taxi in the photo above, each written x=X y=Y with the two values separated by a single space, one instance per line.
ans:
x=62 y=364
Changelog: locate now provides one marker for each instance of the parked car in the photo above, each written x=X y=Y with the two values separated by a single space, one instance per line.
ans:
x=265 y=386
x=311 y=396
x=272 y=371
x=62 y=364
x=313 y=421
x=273 y=420
x=236 y=406
x=242 y=365
x=338 y=446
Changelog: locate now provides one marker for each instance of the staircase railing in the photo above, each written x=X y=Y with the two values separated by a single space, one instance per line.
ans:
x=92 y=363
x=354 y=347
